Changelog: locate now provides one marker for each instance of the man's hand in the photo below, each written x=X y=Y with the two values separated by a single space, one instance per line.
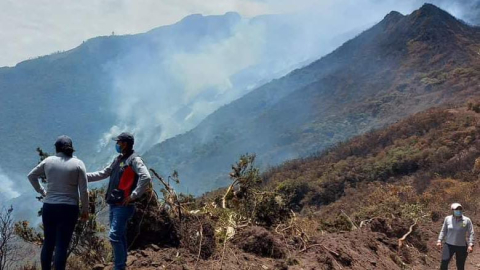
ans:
x=127 y=200
x=470 y=249
x=84 y=217
x=439 y=245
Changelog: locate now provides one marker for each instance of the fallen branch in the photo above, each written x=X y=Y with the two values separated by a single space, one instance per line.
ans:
x=223 y=251
x=200 y=245
x=152 y=194
x=401 y=240
x=224 y=199
x=364 y=222
x=410 y=230
x=331 y=251
x=173 y=200
x=350 y=220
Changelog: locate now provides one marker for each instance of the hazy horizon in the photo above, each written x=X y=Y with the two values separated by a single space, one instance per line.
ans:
x=37 y=28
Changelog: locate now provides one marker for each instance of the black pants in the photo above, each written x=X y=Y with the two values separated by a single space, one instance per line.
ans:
x=59 y=221
x=447 y=254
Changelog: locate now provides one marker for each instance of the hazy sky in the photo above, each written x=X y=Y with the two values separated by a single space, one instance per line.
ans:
x=31 y=28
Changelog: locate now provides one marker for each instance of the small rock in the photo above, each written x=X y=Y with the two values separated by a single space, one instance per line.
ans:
x=144 y=253
x=156 y=264
x=98 y=267
x=265 y=267
x=155 y=247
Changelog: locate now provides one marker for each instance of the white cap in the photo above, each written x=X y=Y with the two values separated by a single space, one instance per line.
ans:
x=455 y=206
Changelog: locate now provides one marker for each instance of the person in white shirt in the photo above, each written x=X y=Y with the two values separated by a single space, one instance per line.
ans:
x=66 y=186
x=457 y=231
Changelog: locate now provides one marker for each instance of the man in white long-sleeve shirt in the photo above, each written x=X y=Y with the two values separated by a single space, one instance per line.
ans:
x=129 y=179
x=66 y=178
x=457 y=230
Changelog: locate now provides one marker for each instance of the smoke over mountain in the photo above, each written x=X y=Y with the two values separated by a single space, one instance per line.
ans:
x=168 y=88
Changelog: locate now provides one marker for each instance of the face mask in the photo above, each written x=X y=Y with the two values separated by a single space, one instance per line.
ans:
x=118 y=148
x=457 y=213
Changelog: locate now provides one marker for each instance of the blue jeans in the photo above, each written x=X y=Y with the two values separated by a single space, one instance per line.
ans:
x=119 y=216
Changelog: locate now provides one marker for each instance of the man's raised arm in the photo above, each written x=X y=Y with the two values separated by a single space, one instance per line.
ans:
x=100 y=175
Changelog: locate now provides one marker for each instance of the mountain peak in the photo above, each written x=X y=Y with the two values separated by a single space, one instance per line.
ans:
x=393 y=17
x=427 y=7
x=431 y=11
x=227 y=16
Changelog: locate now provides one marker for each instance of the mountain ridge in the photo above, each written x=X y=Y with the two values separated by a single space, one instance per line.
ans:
x=379 y=77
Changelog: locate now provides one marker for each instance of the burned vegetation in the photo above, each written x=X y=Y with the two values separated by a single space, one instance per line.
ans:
x=374 y=202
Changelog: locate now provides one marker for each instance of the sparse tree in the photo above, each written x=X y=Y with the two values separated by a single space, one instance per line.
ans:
x=8 y=250
x=244 y=176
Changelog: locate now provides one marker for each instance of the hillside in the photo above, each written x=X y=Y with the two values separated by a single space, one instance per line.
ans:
x=402 y=65
x=353 y=203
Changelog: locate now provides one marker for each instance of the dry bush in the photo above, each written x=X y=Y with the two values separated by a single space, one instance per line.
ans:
x=443 y=192
x=250 y=202
x=152 y=223
x=372 y=200
x=198 y=235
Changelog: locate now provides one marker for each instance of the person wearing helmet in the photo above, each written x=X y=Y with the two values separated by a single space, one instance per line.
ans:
x=66 y=177
x=457 y=231
x=129 y=179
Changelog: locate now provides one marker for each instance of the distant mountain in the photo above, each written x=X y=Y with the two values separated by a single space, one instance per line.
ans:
x=402 y=65
x=73 y=92
x=153 y=84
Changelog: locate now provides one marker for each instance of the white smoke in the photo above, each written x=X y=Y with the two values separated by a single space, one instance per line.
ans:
x=169 y=93
x=160 y=96
x=166 y=94
x=8 y=190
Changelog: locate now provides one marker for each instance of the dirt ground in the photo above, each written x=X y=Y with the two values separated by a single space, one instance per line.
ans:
x=374 y=246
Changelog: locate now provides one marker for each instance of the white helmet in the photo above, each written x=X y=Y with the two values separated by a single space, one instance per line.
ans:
x=454 y=206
